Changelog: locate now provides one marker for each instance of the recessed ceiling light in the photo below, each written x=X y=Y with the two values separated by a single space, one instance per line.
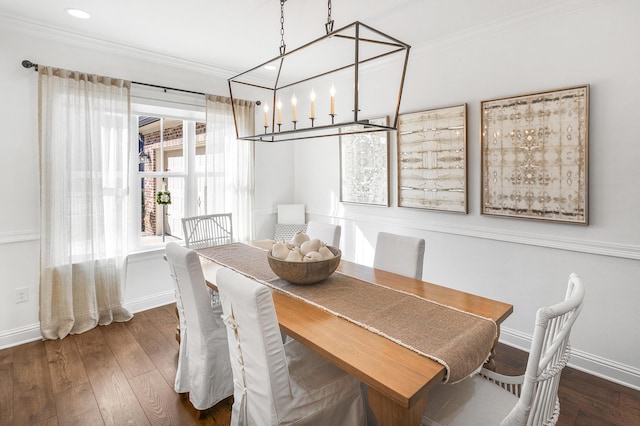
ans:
x=270 y=67
x=77 y=13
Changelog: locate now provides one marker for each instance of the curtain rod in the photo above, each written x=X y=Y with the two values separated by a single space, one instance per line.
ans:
x=28 y=64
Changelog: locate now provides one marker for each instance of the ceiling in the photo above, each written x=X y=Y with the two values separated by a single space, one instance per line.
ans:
x=235 y=35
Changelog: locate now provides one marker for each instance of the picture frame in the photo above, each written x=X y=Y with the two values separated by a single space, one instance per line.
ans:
x=364 y=166
x=432 y=159
x=534 y=156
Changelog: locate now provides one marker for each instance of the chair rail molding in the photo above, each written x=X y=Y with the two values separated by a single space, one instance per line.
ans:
x=19 y=236
x=602 y=248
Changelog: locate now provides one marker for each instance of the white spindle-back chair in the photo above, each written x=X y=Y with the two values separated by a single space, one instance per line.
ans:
x=529 y=399
x=207 y=230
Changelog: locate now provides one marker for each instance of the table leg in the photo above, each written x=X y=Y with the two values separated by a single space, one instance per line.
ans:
x=389 y=413
x=490 y=364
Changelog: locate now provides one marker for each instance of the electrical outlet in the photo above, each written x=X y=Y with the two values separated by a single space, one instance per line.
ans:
x=22 y=294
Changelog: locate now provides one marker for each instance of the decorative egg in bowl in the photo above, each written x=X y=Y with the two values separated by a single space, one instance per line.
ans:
x=308 y=262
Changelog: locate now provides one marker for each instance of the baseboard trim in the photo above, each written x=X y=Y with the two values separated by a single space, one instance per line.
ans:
x=606 y=369
x=31 y=332
x=150 y=302
x=20 y=335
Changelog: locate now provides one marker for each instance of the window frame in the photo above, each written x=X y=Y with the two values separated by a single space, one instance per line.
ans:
x=191 y=110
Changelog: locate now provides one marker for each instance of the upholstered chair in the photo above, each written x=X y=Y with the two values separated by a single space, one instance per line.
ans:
x=279 y=383
x=399 y=254
x=204 y=369
x=325 y=232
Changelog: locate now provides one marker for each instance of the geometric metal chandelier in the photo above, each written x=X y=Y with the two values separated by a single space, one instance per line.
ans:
x=331 y=86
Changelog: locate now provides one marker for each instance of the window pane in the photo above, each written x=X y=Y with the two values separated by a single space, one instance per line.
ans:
x=148 y=137
x=173 y=146
x=153 y=230
x=175 y=210
x=160 y=139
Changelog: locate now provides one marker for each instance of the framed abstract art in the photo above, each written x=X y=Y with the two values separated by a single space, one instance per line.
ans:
x=364 y=167
x=432 y=159
x=534 y=154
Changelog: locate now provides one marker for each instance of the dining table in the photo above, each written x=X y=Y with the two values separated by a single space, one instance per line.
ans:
x=398 y=373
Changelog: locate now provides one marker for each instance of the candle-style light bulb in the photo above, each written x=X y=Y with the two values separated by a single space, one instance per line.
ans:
x=294 y=102
x=266 y=115
x=332 y=108
x=313 y=104
x=279 y=112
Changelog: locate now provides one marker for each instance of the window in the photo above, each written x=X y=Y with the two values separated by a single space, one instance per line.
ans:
x=170 y=152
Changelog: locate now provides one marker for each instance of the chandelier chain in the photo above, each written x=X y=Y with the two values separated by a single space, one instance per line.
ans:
x=283 y=46
x=329 y=25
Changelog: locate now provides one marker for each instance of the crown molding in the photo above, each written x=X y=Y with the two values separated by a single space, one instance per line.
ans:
x=40 y=30
x=485 y=29
x=522 y=19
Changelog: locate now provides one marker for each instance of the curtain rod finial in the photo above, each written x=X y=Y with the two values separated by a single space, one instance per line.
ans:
x=28 y=64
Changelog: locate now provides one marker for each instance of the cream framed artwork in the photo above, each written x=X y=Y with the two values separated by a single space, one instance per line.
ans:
x=364 y=166
x=432 y=159
x=534 y=154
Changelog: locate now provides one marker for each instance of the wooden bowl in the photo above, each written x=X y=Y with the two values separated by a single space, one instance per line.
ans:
x=305 y=272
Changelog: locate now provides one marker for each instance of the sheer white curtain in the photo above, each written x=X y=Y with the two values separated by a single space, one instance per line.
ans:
x=83 y=178
x=229 y=165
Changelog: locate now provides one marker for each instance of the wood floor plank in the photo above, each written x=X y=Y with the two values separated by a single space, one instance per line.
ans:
x=77 y=406
x=51 y=421
x=630 y=404
x=592 y=419
x=148 y=398
x=221 y=413
x=576 y=382
x=165 y=321
x=512 y=360
x=132 y=358
x=600 y=401
x=116 y=400
x=32 y=389
x=6 y=386
x=160 y=402
x=65 y=364
x=163 y=353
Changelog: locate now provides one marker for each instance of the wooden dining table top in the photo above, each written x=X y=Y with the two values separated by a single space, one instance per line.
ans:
x=398 y=378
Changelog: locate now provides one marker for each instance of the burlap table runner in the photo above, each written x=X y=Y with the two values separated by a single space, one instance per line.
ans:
x=460 y=341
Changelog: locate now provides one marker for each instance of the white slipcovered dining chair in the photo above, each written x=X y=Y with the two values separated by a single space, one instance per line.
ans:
x=204 y=369
x=278 y=383
x=531 y=399
x=325 y=232
x=399 y=254
x=207 y=230
x=291 y=219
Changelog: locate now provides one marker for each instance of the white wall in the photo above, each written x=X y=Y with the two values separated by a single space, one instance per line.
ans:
x=522 y=262
x=148 y=282
x=525 y=263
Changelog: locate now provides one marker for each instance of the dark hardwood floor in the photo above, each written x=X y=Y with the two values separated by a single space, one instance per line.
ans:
x=124 y=373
